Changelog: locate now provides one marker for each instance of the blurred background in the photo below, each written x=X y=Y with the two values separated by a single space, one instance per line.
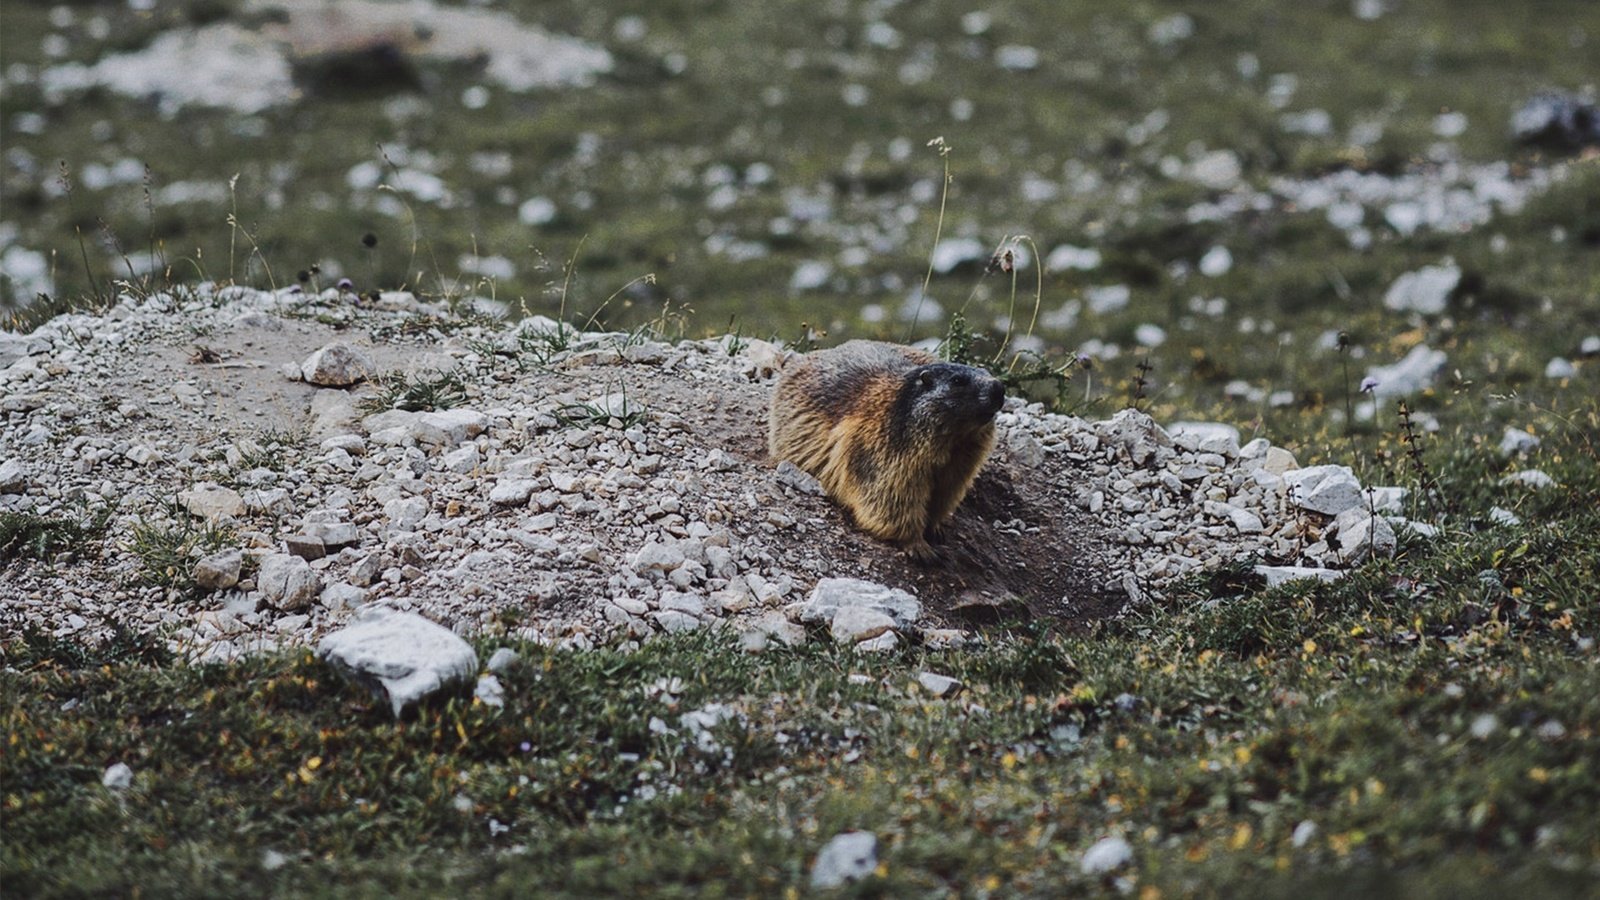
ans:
x=1233 y=209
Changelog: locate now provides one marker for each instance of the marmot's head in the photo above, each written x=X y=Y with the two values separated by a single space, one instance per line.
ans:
x=948 y=398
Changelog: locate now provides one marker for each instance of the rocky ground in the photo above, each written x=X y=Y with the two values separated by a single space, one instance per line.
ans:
x=582 y=487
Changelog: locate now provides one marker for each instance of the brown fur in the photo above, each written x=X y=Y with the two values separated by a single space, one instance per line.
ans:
x=893 y=435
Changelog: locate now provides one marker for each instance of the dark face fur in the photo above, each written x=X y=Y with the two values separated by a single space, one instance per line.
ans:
x=961 y=397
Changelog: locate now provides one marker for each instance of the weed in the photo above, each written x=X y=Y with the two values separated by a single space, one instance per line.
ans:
x=36 y=648
x=168 y=545
x=25 y=535
x=623 y=414
x=417 y=392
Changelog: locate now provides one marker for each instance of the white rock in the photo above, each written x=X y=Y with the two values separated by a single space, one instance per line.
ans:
x=850 y=856
x=212 y=501
x=1531 y=478
x=1385 y=499
x=117 y=777
x=489 y=691
x=14 y=477
x=337 y=365
x=1363 y=536
x=332 y=534
x=658 y=556
x=268 y=501
x=673 y=622
x=1303 y=833
x=1414 y=372
x=406 y=513
x=1329 y=490
x=514 y=492
x=883 y=643
x=834 y=594
x=1276 y=575
x=287 y=582
x=1278 y=461
x=1558 y=368
x=219 y=571
x=462 y=460
x=448 y=427
x=1424 y=291
x=1501 y=516
x=952 y=252
x=1107 y=855
x=1219 y=170
x=1516 y=442
x=1590 y=345
x=853 y=624
x=399 y=655
x=339 y=595
x=1066 y=256
x=1210 y=437
x=502 y=659
x=1218 y=261
x=939 y=685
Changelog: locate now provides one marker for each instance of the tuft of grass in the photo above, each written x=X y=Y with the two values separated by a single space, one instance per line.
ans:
x=36 y=648
x=168 y=545
x=25 y=535
x=417 y=392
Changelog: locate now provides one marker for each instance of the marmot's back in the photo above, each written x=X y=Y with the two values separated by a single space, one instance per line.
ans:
x=894 y=435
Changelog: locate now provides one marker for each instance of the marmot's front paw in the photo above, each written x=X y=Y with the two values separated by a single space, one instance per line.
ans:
x=922 y=552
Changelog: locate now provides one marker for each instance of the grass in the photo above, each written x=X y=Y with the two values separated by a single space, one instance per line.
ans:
x=168 y=544
x=1436 y=725
x=1432 y=716
x=416 y=392
x=29 y=536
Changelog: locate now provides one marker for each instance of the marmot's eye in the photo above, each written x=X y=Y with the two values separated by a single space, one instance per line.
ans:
x=925 y=380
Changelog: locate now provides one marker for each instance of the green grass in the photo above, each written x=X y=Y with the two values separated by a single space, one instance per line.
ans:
x=1432 y=715
x=25 y=536
x=416 y=392
x=169 y=543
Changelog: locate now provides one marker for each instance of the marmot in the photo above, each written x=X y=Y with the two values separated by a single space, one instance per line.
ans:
x=894 y=435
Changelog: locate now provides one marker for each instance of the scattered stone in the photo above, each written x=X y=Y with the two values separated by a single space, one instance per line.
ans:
x=337 y=365
x=795 y=477
x=502 y=659
x=117 y=777
x=1276 y=575
x=1329 y=490
x=287 y=582
x=448 y=427
x=1532 y=478
x=1559 y=368
x=1516 y=442
x=219 y=571
x=1303 y=833
x=831 y=595
x=399 y=656
x=1278 y=461
x=489 y=691
x=1412 y=374
x=853 y=624
x=1363 y=536
x=1424 y=291
x=14 y=477
x=513 y=492
x=658 y=556
x=940 y=686
x=850 y=856
x=1558 y=121
x=212 y=502
x=305 y=546
x=1107 y=855
x=1505 y=517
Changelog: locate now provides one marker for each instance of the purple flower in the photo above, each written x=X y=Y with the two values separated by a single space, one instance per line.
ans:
x=525 y=746
x=1368 y=384
x=346 y=284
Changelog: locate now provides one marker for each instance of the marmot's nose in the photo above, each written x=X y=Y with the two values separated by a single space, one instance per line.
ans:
x=994 y=396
